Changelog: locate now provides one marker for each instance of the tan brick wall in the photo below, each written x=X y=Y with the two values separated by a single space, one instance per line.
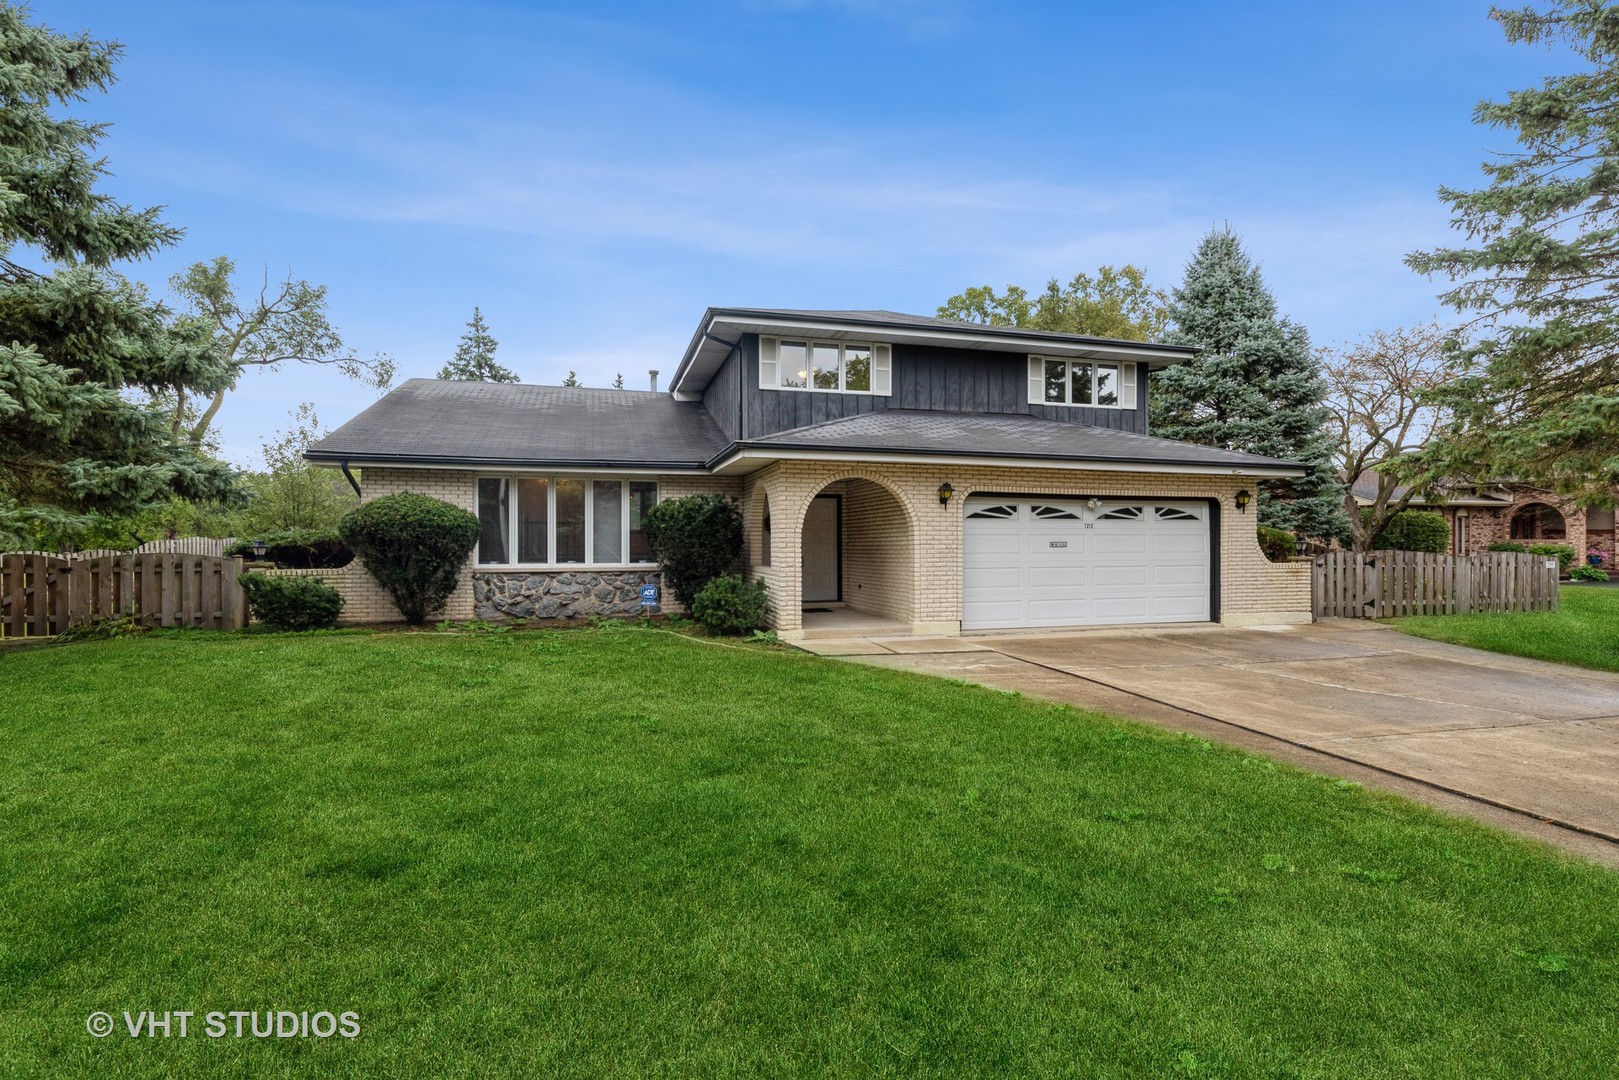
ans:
x=364 y=601
x=1251 y=587
x=878 y=565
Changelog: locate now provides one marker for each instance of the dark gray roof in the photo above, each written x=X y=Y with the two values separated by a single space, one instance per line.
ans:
x=901 y=431
x=880 y=317
x=440 y=422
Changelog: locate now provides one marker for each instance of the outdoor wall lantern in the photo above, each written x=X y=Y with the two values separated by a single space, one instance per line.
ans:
x=258 y=549
x=1242 y=500
x=945 y=491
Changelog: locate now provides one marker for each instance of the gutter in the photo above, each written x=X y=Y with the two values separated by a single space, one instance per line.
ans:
x=353 y=483
x=765 y=453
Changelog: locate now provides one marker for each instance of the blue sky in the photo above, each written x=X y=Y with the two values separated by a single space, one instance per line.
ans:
x=594 y=176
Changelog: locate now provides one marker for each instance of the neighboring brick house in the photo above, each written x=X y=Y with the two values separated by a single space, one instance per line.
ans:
x=936 y=474
x=1479 y=517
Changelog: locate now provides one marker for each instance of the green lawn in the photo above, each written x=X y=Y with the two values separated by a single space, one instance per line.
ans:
x=624 y=853
x=1584 y=630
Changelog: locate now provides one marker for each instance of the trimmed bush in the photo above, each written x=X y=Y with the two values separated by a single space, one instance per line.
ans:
x=1563 y=553
x=1415 y=530
x=298 y=549
x=1509 y=545
x=695 y=539
x=414 y=546
x=728 y=606
x=292 y=603
x=1277 y=544
x=1587 y=573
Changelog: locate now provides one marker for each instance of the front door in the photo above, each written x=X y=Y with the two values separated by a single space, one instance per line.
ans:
x=821 y=550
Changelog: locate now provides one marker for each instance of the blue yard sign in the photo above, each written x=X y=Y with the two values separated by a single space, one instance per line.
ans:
x=649 y=596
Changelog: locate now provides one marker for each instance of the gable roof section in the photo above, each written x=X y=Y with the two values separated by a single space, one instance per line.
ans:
x=437 y=422
x=720 y=329
x=1008 y=436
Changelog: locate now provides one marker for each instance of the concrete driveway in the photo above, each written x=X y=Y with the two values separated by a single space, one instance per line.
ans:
x=1529 y=745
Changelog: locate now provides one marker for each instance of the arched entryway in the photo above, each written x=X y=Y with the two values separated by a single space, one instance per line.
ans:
x=858 y=553
x=1538 y=521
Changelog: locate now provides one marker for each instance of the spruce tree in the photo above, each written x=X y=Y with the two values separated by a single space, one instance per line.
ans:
x=475 y=356
x=1538 y=397
x=86 y=358
x=1255 y=386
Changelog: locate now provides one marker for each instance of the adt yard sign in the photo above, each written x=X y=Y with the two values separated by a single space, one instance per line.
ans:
x=649 y=596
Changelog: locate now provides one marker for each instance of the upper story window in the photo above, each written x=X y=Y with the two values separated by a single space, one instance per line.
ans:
x=834 y=367
x=562 y=520
x=1098 y=384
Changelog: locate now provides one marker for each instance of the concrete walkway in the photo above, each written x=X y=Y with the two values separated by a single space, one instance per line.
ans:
x=1523 y=744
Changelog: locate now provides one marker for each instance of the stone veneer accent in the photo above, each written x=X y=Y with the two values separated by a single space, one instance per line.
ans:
x=364 y=601
x=568 y=594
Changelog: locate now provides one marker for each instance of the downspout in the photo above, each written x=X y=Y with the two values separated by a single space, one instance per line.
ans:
x=353 y=483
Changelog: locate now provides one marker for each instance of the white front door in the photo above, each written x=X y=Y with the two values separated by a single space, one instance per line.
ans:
x=821 y=550
x=1061 y=562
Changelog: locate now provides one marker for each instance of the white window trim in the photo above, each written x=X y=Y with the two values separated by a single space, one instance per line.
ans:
x=589 y=480
x=1037 y=382
x=772 y=372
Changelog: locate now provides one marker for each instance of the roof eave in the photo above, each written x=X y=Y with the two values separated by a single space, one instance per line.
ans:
x=765 y=452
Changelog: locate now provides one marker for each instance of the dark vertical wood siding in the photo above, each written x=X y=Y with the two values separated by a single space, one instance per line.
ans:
x=942 y=380
x=722 y=396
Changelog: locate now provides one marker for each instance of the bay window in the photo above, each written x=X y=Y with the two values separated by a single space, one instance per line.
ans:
x=563 y=521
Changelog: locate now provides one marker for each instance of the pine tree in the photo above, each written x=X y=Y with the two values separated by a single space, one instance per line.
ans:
x=87 y=358
x=618 y=381
x=475 y=356
x=1538 y=399
x=572 y=379
x=1255 y=386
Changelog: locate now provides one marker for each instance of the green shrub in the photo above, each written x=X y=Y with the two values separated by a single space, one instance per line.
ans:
x=292 y=603
x=695 y=539
x=1562 y=552
x=1587 y=573
x=298 y=549
x=414 y=546
x=1414 y=530
x=1509 y=545
x=728 y=606
x=1277 y=544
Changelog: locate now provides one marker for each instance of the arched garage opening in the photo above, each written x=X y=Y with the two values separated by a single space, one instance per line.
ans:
x=859 y=552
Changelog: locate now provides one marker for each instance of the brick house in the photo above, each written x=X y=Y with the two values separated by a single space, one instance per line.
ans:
x=1479 y=517
x=936 y=475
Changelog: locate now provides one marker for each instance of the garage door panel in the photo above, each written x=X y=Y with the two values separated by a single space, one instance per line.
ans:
x=1167 y=575
x=1150 y=567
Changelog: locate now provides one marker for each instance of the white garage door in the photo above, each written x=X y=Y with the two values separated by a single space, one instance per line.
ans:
x=1063 y=562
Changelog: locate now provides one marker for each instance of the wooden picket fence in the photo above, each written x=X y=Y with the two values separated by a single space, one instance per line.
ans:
x=1388 y=584
x=42 y=595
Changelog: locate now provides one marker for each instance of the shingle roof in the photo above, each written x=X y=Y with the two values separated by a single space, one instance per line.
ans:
x=878 y=316
x=1004 y=435
x=441 y=422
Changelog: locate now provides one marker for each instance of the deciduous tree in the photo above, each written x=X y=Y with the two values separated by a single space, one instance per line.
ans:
x=1116 y=303
x=283 y=323
x=1379 y=397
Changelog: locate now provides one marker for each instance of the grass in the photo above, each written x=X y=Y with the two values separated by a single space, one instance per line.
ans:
x=1583 y=631
x=625 y=853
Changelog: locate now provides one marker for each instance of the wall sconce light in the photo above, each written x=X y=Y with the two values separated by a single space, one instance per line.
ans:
x=945 y=491
x=1242 y=500
x=1093 y=504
